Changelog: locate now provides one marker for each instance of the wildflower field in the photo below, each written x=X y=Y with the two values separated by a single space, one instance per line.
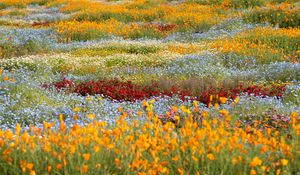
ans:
x=149 y=87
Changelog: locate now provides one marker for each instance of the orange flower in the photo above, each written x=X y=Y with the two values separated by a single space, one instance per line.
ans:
x=234 y=161
x=223 y=100
x=255 y=162
x=84 y=168
x=180 y=171
x=117 y=162
x=175 y=158
x=120 y=109
x=49 y=169
x=278 y=172
x=204 y=114
x=252 y=172
x=86 y=157
x=96 y=149
x=224 y=112
x=72 y=149
x=210 y=156
x=59 y=166
x=29 y=166
x=5 y=78
x=17 y=129
x=139 y=113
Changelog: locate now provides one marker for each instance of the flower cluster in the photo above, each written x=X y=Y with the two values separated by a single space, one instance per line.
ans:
x=151 y=147
x=127 y=91
x=149 y=87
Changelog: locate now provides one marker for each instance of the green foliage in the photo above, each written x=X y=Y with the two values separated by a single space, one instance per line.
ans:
x=87 y=35
x=30 y=47
x=103 y=16
x=292 y=95
x=111 y=50
x=275 y=16
x=14 y=65
x=94 y=52
x=136 y=49
x=27 y=97
x=146 y=32
x=246 y=3
x=3 y=6
x=289 y=45
x=41 y=2
x=16 y=13
x=231 y=3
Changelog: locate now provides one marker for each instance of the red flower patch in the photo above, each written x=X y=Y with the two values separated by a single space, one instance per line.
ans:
x=127 y=91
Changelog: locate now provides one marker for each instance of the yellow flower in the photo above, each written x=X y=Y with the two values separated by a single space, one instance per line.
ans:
x=90 y=116
x=236 y=100
x=98 y=165
x=32 y=173
x=184 y=109
x=209 y=105
x=284 y=162
x=86 y=157
x=210 y=156
x=76 y=109
x=174 y=108
x=177 y=118
x=88 y=98
x=255 y=162
x=216 y=106
x=12 y=80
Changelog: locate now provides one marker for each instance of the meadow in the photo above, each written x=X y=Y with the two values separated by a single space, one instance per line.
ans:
x=149 y=87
